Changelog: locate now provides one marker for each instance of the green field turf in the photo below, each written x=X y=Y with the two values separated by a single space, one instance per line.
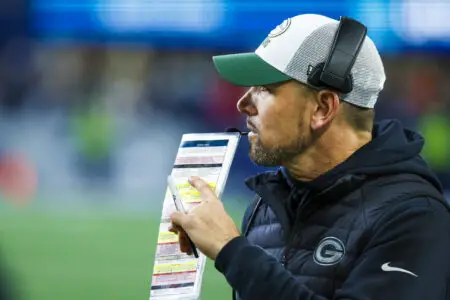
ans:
x=74 y=256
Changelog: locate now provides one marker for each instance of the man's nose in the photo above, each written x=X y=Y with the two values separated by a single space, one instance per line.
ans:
x=245 y=105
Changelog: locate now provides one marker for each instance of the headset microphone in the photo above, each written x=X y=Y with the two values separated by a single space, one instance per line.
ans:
x=232 y=129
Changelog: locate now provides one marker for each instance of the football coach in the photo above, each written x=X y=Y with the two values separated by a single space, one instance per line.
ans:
x=353 y=212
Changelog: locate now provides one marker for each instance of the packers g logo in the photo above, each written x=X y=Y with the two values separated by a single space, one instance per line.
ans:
x=329 y=251
x=280 y=29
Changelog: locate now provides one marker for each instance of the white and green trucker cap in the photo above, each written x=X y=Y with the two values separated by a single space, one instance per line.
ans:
x=296 y=46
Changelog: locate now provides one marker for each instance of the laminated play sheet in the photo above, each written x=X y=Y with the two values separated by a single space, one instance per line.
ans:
x=209 y=156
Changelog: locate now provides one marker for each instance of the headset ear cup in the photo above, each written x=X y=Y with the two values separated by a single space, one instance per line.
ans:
x=348 y=85
x=314 y=79
x=335 y=72
x=314 y=75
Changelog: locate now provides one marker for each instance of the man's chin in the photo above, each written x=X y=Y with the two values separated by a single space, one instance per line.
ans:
x=263 y=159
x=265 y=164
x=272 y=156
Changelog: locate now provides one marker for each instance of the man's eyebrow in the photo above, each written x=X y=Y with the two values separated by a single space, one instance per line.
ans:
x=275 y=85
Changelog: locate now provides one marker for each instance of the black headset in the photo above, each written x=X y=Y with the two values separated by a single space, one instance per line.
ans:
x=335 y=71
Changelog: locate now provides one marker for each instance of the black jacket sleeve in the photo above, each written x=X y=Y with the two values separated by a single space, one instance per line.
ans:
x=406 y=258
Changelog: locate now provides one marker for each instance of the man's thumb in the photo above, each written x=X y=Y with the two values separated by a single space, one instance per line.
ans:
x=179 y=218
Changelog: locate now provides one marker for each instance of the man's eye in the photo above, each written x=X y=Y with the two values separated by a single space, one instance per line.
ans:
x=264 y=89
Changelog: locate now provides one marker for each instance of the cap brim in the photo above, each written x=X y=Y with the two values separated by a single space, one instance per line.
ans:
x=247 y=69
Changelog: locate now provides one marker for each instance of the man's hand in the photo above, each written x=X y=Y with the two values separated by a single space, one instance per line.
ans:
x=208 y=225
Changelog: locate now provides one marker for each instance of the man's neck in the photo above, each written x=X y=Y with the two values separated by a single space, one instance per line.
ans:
x=330 y=150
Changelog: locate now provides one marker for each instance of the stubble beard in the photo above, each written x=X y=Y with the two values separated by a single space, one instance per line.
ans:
x=275 y=156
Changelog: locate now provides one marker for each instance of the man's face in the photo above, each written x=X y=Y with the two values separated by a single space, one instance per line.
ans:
x=278 y=117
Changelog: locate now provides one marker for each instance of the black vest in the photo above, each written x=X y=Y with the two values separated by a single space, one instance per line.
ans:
x=318 y=234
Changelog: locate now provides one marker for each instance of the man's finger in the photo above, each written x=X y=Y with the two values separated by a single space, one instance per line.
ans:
x=201 y=185
x=178 y=218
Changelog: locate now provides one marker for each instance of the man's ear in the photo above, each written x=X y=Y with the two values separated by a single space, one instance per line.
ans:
x=327 y=108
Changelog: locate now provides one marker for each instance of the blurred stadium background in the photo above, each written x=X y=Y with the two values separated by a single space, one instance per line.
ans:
x=97 y=93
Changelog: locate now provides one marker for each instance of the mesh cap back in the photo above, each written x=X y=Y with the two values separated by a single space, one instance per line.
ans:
x=367 y=72
x=294 y=48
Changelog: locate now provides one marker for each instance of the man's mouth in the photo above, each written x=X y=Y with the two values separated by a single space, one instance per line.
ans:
x=252 y=127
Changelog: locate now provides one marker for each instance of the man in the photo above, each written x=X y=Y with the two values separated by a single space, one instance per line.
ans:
x=352 y=213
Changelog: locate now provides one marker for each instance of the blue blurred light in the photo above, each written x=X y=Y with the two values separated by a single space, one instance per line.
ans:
x=394 y=25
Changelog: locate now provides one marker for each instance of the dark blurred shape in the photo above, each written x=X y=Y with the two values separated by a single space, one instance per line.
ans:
x=14 y=19
x=14 y=55
x=8 y=282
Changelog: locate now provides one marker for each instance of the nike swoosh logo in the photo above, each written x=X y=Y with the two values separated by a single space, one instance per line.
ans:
x=387 y=268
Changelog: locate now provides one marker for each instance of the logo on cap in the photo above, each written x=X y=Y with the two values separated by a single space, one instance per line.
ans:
x=280 y=29
x=329 y=251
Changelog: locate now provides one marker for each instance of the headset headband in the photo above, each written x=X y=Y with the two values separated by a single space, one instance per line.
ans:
x=335 y=72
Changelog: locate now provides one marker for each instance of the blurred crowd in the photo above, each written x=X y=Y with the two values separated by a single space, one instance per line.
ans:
x=109 y=117
x=102 y=114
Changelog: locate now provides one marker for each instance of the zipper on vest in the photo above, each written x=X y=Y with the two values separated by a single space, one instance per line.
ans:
x=284 y=260
x=286 y=255
x=288 y=250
